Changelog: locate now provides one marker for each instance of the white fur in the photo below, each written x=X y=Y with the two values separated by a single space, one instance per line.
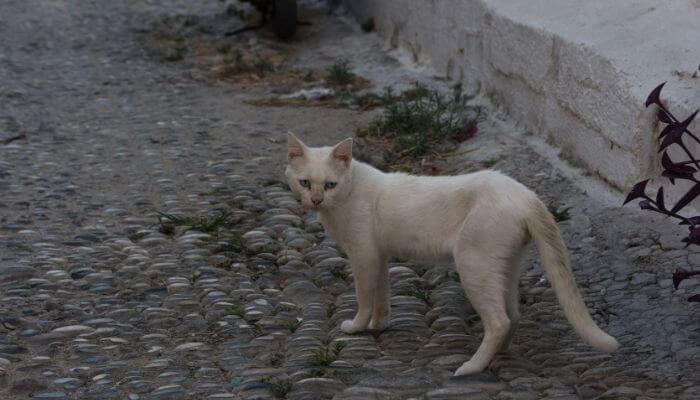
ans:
x=482 y=221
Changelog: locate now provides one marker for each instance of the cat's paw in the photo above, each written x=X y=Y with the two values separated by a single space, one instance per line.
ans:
x=349 y=327
x=378 y=324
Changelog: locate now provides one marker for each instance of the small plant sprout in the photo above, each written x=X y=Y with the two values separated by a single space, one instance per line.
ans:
x=281 y=387
x=292 y=326
x=340 y=74
x=559 y=215
x=325 y=355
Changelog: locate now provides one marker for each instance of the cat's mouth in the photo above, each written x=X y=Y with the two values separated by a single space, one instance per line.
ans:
x=317 y=207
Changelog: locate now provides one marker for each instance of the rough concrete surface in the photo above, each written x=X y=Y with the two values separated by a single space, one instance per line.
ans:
x=575 y=73
x=113 y=121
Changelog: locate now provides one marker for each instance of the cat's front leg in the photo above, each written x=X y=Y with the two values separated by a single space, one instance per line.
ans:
x=381 y=307
x=366 y=268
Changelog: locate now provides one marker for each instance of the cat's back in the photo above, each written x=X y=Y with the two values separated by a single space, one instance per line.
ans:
x=487 y=177
x=490 y=186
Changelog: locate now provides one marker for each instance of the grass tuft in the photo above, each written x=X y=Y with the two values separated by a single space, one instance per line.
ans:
x=276 y=360
x=235 y=63
x=136 y=236
x=262 y=270
x=325 y=355
x=236 y=244
x=238 y=310
x=420 y=293
x=339 y=272
x=423 y=120
x=317 y=373
x=207 y=224
x=292 y=326
x=559 y=215
x=339 y=74
x=281 y=387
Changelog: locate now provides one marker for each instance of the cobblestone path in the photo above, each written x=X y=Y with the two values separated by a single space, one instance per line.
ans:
x=105 y=294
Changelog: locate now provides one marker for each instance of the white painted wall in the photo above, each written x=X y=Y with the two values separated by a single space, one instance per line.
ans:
x=575 y=72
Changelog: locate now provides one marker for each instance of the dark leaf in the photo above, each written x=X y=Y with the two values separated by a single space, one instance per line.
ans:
x=688 y=120
x=692 y=221
x=665 y=131
x=663 y=117
x=676 y=170
x=693 y=236
x=676 y=131
x=660 y=199
x=637 y=191
x=694 y=298
x=674 y=135
x=646 y=205
x=687 y=198
x=678 y=276
x=654 y=96
x=681 y=168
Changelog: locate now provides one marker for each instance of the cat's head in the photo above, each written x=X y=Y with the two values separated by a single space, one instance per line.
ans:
x=319 y=176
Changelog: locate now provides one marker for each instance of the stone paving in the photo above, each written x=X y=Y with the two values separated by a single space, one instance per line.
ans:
x=100 y=300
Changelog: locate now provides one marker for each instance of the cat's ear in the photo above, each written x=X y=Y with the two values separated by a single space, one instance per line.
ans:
x=343 y=151
x=295 y=147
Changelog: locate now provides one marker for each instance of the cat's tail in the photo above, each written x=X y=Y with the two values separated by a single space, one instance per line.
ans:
x=555 y=260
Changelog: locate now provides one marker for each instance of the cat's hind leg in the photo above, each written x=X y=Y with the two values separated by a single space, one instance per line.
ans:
x=366 y=269
x=487 y=296
x=512 y=304
x=486 y=256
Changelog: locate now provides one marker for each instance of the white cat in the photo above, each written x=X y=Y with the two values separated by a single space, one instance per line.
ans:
x=482 y=221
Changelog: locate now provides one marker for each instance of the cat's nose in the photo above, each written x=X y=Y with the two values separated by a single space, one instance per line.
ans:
x=316 y=201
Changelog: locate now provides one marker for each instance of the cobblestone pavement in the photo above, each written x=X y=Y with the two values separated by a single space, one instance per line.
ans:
x=98 y=300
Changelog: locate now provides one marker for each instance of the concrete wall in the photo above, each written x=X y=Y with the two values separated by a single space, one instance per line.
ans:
x=574 y=72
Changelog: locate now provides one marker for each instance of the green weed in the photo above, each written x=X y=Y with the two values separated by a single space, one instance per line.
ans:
x=423 y=120
x=417 y=292
x=175 y=49
x=340 y=74
x=559 y=215
x=236 y=244
x=207 y=224
x=276 y=360
x=317 y=373
x=166 y=228
x=325 y=355
x=257 y=274
x=136 y=236
x=340 y=273
x=235 y=64
x=281 y=387
x=292 y=326
x=238 y=310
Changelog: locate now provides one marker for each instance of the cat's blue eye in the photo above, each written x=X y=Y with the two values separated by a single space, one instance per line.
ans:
x=329 y=185
x=305 y=183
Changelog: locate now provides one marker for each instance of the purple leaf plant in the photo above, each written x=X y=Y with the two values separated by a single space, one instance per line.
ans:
x=673 y=133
